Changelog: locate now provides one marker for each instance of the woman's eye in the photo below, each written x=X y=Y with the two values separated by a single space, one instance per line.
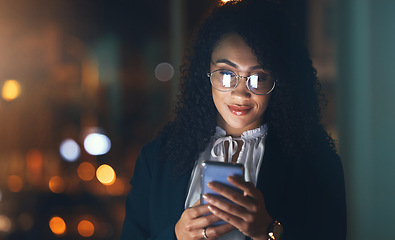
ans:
x=227 y=73
x=262 y=77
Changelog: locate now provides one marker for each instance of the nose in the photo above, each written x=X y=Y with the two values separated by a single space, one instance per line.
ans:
x=241 y=90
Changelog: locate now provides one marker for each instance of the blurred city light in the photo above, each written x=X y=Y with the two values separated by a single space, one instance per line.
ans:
x=11 y=90
x=5 y=224
x=15 y=183
x=97 y=144
x=86 y=228
x=86 y=171
x=164 y=71
x=34 y=161
x=57 y=184
x=69 y=150
x=225 y=1
x=105 y=174
x=57 y=225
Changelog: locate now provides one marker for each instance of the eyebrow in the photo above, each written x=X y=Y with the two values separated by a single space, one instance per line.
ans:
x=232 y=64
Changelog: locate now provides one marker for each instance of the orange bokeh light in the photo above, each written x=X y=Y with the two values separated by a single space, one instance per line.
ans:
x=106 y=174
x=86 y=228
x=57 y=184
x=5 y=223
x=15 y=183
x=11 y=90
x=57 y=225
x=86 y=171
x=34 y=161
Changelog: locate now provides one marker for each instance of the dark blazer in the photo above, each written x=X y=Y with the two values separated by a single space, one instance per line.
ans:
x=306 y=194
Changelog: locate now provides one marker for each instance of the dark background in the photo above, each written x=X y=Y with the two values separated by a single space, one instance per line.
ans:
x=91 y=63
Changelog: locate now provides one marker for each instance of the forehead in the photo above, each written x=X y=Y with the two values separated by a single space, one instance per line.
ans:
x=232 y=47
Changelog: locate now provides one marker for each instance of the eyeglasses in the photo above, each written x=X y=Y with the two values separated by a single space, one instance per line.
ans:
x=226 y=80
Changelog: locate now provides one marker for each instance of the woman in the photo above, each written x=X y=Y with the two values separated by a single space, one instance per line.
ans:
x=249 y=95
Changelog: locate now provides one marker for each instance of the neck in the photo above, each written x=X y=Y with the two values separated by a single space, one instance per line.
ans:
x=235 y=132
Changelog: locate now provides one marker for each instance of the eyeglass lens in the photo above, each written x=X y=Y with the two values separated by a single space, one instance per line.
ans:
x=225 y=80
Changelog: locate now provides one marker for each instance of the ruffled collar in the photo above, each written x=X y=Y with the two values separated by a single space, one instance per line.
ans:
x=247 y=135
x=218 y=149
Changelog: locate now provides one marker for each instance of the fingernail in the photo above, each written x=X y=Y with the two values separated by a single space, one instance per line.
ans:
x=234 y=178
x=207 y=198
x=210 y=208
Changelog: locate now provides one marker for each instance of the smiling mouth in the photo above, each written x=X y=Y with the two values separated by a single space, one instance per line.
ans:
x=239 y=110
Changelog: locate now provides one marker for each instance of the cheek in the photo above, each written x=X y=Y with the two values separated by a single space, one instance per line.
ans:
x=219 y=100
x=263 y=102
x=216 y=97
x=213 y=95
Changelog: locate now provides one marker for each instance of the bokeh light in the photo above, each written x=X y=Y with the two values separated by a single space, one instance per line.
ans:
x=5 y=223
x=164 y=71
x=105 y=174
x=57 y=184
x=86 y=228
x=70 y=150
x=225 y=1
x=86 y=171
x=97 y=144
x=57 y=225
x=11 y=90
x=15 y=183
x=34 y=161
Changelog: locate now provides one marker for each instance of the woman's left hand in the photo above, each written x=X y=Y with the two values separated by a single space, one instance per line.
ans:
x=249 y=215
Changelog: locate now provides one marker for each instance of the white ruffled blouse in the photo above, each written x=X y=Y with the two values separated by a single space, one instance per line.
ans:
x=250 y=156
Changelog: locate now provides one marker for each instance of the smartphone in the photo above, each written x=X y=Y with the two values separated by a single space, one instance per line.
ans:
x=218 y=172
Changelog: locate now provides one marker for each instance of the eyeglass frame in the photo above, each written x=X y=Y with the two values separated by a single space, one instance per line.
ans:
x=237 y=82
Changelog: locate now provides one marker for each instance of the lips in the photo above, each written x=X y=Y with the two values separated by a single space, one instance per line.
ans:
x=239 y=110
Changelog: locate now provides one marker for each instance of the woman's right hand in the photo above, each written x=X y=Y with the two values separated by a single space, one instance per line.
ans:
x=192 y=223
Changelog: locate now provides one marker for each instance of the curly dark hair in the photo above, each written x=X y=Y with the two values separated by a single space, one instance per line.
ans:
x=293 y=114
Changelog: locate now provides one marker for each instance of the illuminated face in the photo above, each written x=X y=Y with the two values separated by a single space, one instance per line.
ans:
x=239 y=110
